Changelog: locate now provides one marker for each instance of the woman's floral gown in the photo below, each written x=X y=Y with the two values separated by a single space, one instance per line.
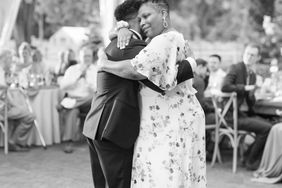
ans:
x=170 y=149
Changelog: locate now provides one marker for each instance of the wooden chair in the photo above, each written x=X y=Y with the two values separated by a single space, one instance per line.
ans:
x=223 y=103
x=4 y=116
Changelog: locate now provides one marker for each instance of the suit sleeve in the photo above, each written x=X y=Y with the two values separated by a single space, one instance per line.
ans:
x=133 y=49
x=229 y=82
x=185 y=71
x=129 y=52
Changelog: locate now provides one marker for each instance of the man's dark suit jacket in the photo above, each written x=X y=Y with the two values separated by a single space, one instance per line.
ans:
x=114 y=113
x=235 y=81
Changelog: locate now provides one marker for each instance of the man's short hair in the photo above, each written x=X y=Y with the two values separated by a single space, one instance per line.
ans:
x=201 y=62
x=127 y=10
x=216 y=56
x=254 y=45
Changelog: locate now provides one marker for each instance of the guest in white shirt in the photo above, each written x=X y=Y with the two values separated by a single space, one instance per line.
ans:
x=79 y=84
x=216 y=75
x=34 y=74
x=25 y=60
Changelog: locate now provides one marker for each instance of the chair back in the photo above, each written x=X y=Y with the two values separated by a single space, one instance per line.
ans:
x=224 y=104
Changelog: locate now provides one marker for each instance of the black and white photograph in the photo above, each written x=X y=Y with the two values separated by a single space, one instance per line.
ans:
x=140 y=94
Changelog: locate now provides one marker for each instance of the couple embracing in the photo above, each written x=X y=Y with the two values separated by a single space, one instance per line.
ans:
x=145 y=127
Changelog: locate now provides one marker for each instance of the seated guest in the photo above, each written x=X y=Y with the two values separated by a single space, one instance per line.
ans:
x=79 y=84
x=25 y=60
x=241 y=79
x=67 y=59
x=200 y=82
x=35 y=72
x=216 y=75
x=37 y=67
x=18 y=115
x=25 y=56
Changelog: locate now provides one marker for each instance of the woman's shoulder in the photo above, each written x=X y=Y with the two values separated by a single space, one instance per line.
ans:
x=171 y=34
x=169 y=37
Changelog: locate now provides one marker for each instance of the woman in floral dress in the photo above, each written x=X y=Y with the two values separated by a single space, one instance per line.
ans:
x=170 y=149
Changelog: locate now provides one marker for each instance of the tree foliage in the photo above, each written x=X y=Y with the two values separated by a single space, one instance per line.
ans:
x=59 y=13
x=42 y=18
x=223 y=20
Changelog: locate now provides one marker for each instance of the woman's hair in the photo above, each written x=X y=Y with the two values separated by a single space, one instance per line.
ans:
x=161 y=4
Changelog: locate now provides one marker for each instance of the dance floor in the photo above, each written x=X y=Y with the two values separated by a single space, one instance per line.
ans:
x=52 y=168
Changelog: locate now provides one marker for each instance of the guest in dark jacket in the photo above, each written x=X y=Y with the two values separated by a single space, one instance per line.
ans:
x=241 y=79
x=200 y=83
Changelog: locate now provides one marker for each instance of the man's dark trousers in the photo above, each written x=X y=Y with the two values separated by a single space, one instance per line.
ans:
x=97 y=173
x=115 y=96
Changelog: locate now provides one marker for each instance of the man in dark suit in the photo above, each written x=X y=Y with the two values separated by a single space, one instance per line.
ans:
x=112 y=124
x=242 y=79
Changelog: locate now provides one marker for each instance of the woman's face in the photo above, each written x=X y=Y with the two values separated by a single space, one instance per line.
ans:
x=150 y=18
x=25 y=53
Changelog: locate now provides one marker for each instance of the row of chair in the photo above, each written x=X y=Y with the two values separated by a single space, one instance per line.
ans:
x=220 y=127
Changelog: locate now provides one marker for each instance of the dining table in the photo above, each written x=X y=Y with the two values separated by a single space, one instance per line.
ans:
x=269 y=106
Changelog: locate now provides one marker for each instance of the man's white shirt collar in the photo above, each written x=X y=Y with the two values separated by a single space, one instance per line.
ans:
x=137 y=34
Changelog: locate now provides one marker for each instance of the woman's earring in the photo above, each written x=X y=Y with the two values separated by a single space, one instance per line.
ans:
x=165 y=24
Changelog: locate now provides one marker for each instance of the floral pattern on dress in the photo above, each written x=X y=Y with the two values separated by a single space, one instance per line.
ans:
x=170 y=149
